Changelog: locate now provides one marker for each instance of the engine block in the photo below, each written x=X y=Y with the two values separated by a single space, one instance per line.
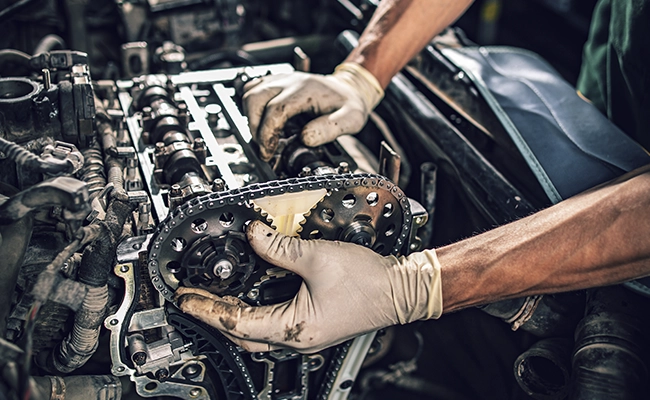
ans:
x=193 y=169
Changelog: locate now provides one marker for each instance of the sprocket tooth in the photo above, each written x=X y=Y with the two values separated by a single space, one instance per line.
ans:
x=310 y=212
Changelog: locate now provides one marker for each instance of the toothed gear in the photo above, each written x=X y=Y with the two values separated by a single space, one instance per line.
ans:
x=368 y=212
x=359 y=203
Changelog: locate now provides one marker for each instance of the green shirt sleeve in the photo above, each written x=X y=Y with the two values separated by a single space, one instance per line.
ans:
x=616 y=60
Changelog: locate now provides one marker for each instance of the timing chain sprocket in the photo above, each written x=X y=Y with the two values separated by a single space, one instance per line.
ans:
x=201 y=244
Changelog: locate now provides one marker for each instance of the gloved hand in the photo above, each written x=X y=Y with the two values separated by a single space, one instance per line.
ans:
x=343 y=100
x=347 y=290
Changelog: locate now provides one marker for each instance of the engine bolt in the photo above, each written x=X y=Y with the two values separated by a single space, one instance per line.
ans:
x=175 y=190
x=114 y=322
x=344 y=168
x=124 y=268
x=199 y=144
x=162 y=374
x=160 y=148
x=195 y=392
x=140 y=358
x=306 y=171
x=192 y=370
x=223 y=269
x=253 y=294
x=218 y=185
x=315 y=363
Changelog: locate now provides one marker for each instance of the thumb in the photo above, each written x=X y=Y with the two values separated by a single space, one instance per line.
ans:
x=326 y=128
x=278 y=249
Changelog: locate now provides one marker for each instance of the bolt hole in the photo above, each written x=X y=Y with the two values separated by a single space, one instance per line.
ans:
x=226 y=219
x=199 y=226
x=151 y=386
x=372 y=199
x=178 y=244
x=174 y=267
x=315 y=234
x=327 y=214
x=349 y=201
x=390 y=230
x=388 y=210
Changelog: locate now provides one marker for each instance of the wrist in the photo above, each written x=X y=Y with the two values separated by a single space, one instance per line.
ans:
x=416 y=286
x=362 y=81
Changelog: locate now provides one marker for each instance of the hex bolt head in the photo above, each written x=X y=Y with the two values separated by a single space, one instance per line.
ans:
x=175 y=190
x=160 y=147
x=223 y=269
x=192 y=370
x=199 y=144
x=218 y=185
x=306 y=171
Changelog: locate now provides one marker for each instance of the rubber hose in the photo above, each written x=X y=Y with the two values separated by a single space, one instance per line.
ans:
x=543 y=371
x=26 y=159
x=49 y=43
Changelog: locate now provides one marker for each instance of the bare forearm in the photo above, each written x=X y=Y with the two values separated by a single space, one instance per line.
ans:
x=597 y=238
x=399 y=29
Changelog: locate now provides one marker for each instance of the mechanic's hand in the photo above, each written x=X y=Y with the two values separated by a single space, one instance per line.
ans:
x=347 y=290
x=343 y=100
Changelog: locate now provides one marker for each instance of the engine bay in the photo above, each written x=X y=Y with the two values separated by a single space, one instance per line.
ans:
x=129 y=170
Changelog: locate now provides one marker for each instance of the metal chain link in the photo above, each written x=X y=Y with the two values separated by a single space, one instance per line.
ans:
x=203 y=207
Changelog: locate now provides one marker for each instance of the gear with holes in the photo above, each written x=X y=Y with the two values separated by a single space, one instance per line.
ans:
x=207 y=250
x=221 y=265
x=361 y=208
x=367 y=214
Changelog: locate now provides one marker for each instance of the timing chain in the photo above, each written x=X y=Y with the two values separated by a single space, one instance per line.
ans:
x=202 y=207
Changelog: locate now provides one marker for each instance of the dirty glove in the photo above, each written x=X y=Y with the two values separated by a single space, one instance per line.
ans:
x=347 y=290
x=343 y=100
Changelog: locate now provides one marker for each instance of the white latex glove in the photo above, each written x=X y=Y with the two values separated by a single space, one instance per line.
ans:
x=347 y=290
x=343 y=100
